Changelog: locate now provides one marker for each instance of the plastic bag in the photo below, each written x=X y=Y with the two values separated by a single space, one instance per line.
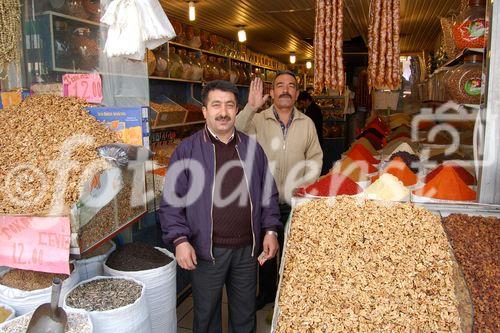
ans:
x=26 y=301
x=160 y=293
x=93 y=266
x=135 y=25
x=120 y=154
x=133 y=318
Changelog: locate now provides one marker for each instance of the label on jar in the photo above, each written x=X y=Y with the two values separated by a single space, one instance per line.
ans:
x=473 y=87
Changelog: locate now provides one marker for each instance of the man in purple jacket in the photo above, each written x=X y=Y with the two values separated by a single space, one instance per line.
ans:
x=219 y=197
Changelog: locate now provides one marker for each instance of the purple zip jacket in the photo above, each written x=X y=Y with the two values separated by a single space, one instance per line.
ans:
x=187 y=201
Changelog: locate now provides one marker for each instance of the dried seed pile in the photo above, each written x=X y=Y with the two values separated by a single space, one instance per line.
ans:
x=104 y=294
x=29 y=280
x=476 y=242
x=137 y=257
x=33 y=136
x=77 y=323
x=367 y=266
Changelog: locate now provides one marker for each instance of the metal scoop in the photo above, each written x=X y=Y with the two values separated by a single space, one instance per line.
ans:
x=49 y=317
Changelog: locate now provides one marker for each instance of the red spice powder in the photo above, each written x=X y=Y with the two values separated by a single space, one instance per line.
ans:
x=333 y=184
x=447 y=185
x=360 y=160
x=398 y=168
x=462 y=173
x=367 y=156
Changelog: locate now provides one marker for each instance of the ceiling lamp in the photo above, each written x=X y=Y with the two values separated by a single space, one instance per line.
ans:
x=293 y=58
x=192 y=11
x=242 y=35
x=309 y=65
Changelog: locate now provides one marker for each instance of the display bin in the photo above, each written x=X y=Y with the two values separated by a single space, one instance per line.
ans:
x=465 y=306
x=166 y=112
x=385 y=99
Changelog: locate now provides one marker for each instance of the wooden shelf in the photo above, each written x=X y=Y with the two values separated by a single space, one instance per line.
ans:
x=73 y=18
x=158 y=128
x=173 y=79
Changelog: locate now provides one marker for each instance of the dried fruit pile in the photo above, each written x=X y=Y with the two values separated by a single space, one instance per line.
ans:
x=367 y=266
x=476 y=242
x=33 y=136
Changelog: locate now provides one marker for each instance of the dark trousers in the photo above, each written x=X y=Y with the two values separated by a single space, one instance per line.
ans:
x=237 y=269
x=268 y=273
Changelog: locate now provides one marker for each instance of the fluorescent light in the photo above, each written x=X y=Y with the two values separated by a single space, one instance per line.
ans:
x=293 y=58
x=242 y=35
x=192 y=11
x=309 y=65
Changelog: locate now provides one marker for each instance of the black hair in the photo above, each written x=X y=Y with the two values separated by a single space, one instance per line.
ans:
x=218 y=85
x=285 y=72
x=304 y=96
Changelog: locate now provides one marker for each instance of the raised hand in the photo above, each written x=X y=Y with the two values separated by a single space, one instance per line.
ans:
x=256 y=99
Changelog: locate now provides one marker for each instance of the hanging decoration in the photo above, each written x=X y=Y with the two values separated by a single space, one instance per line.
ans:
x=383 y=45
x=135 y=25
x=328 y=42
x=10 y=30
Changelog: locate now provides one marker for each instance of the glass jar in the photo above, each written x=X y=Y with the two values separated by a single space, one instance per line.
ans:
x=187 y=65
x=193 y=37
x=93 y=9
x=62 y=45
x=197 y=67
x=215 y=68
x=224 y=70
x=234 y=74
x=465 y=83
x=75 y=8
x=151 y=62
x=86 y=49
x=207 y=69
x=161 y=68
x=246 y=75
x=175 y=65
x=471 y=28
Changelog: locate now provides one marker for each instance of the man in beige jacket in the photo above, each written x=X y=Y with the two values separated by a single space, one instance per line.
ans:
x=291 y=144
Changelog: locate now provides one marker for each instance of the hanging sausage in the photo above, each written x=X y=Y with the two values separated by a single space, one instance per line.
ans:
x=383 y=45
x=328 y=41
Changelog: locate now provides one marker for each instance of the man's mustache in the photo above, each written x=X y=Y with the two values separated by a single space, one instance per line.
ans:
x=285 y=94
x=221 y=118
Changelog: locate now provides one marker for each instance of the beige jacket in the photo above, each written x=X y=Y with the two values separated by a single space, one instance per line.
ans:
x=294 y=160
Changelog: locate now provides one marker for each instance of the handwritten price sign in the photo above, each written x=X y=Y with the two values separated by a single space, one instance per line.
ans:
x=35 y=243
x=86 y=86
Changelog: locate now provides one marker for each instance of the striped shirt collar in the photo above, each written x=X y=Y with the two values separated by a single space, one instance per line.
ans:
x=283 y=126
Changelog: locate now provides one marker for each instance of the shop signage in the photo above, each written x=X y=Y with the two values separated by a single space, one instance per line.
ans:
x=86 y=86
x=35 y=243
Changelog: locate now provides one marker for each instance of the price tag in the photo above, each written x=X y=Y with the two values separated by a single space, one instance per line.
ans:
x=86 y=86
x=35 y=243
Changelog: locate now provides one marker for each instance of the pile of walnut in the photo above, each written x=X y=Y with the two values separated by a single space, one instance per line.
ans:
x=369 y=267
x=31 y=145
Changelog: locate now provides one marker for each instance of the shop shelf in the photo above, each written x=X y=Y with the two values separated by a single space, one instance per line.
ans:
x=157 y=128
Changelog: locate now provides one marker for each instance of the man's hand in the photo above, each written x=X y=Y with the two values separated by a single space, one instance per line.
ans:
x=185 y=256
x=271 y=247
x=255 y=98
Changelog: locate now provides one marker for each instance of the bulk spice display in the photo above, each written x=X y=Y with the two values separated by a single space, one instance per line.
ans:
x=412 y=161
x=10 y=30
x=4 y=314
x=33 y=135
x=137 y=257
x=104 y=295
x=328 y=42
x=333 y=184
x=351 y=169
x=358 y=151
x=460 y=171
x=387 y=187
x=398 y=168
x=476 y=243
x=29 y=280
x=383 y=45
x=447 y=185
x=77 y=323
x=369 y=267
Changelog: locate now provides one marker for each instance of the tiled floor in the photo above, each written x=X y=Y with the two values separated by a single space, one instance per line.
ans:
x=185 y=317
